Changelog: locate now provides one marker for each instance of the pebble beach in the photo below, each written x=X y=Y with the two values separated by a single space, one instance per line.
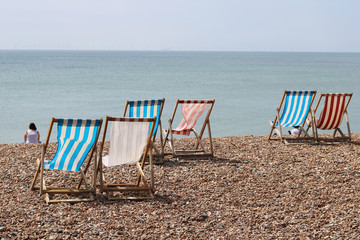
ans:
x=252 y=189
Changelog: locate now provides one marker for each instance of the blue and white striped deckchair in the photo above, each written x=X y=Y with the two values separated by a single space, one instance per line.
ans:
x=296 y=109
x=76 y=140
x=148 y=109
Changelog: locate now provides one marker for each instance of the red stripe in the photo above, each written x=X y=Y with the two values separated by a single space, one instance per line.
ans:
x=127 y=119
x=324 y=112
x=183 y=132
x=331 y=110
x=340 y=112
x=195 y=101
x=326 y=121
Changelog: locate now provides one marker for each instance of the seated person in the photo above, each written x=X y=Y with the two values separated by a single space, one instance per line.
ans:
x=32 y=135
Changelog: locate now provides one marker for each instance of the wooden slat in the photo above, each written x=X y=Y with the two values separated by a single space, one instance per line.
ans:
x=73 y=200
x=119 y=188
x=129 y=198
x=122 y=184
x=188 y=151
x=67 y=191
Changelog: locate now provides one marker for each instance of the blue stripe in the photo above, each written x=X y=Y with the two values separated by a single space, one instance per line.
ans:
x=74 y=141
x=290 y=105
x=87 y=150
x=138 y=109
x=299 y=97
x=61 y=142
x=157 y=115
x=144 y=109
x=292 y=108
x=152 y=108
x=293 y=101
x=131 y=109
x=92 y=136
x=80 y=145
x=60 y=129
x=298 y=120
x=71 y=141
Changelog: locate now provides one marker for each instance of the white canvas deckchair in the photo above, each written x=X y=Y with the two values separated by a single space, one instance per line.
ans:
x=77 y=139
x=191 y=112
x=148 y=109
x=130 y=144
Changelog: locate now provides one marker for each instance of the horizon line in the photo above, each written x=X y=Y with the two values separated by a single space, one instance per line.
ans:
x=170 y=50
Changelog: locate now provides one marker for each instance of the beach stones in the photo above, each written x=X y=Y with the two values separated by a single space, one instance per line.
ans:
x=252 y=189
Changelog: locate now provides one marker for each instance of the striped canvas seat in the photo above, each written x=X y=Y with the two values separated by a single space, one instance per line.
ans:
x=333 y=111
x=191 y=111
x=296 y=109
x=127 y=142
x=130 y=144
x=331 y=116
x=146 y=109
x=75 y=137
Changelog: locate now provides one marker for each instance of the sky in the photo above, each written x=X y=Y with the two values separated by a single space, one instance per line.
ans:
x=181 y=25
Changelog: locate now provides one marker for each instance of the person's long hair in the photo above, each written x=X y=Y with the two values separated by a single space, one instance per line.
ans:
x=32 y=126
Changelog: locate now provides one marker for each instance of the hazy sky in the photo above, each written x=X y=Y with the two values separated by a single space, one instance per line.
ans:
x=205 y=25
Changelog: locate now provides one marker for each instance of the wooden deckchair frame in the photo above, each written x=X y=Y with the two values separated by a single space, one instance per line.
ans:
x=278 y=130
x=158 y=153
x=196 y=152
x=89 y=189
x=342 y=137
x=148 y=188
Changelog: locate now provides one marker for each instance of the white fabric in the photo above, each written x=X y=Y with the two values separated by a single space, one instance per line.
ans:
x=127 y=143
x=32 y=136
x=295 y=132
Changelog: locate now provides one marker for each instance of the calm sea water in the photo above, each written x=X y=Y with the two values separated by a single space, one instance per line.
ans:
x=36 y=85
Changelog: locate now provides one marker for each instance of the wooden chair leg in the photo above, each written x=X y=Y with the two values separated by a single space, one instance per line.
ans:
x=171 y=143
x=348 y=124
x=32 y=187
x=210 y=139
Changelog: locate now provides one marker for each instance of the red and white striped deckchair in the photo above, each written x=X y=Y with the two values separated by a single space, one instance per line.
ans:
x=334 y=109
x=191 y=112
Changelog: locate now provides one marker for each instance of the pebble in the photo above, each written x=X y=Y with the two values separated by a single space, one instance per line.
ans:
x=230 y=196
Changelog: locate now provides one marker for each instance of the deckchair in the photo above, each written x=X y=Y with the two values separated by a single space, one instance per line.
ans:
x=77 y=139
x=148 y=109
x=296 y=109
x=130 y=144
x=334 y=108
x=191 y=111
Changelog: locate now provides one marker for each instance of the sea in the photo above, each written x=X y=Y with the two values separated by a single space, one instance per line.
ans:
x=247 y=86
